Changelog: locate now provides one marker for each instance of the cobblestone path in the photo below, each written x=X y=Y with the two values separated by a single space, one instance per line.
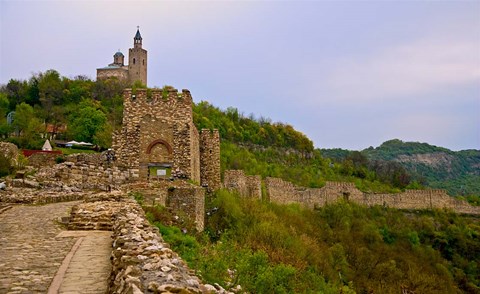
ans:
x=32 y=251
x=87 y=267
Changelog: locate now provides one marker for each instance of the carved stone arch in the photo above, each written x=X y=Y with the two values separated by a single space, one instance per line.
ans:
x=159 y=141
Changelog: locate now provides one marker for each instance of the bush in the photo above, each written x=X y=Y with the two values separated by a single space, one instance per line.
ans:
x=6 y=167
x=339 y=248
x=59 y=159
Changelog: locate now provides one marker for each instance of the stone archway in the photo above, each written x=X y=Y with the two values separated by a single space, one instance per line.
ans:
x=159 y=151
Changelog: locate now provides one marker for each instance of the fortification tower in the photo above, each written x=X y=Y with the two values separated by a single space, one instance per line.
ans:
x=158 y=136
x=137 y=61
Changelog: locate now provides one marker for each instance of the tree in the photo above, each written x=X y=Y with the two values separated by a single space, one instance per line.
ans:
x=16 y=92
x=4 y=106
x=27 y=125
x=33 y=94
x=87 y=121
x=103 y=136
x=24 y=114
x=50 y=90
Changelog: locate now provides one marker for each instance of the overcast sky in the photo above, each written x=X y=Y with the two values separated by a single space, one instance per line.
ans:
x=348 y=74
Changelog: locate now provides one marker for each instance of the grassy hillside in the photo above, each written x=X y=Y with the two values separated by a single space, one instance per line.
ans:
x=340 y=248
x=260 y=147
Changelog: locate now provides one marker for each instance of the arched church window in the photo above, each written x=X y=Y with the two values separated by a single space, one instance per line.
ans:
x=134 y=61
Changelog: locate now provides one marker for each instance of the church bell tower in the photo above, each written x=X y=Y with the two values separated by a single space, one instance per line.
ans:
x=137 y=61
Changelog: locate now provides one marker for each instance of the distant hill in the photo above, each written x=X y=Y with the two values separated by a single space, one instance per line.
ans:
x=436 y=167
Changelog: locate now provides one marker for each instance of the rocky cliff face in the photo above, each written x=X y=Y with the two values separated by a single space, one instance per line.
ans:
x=456 y=171
x=439 y=160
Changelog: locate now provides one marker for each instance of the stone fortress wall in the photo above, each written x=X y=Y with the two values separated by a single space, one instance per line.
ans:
x=283 y=192
x=210 y=159
x=157 y=134
x=81 y=172
x=247 y=186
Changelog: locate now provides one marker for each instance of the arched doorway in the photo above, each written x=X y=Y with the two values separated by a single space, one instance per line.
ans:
x=160 y=159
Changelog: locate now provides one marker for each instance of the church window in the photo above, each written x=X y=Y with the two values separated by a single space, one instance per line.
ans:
x=134 y=61
x=143 y=62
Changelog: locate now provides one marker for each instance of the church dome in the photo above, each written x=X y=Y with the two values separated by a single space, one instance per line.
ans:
x=118 y=54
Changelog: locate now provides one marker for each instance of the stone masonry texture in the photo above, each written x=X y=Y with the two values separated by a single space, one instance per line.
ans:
x=189 y=200
x=246 y=186
x=210 y=159
x=281 y=191
x=158 y=130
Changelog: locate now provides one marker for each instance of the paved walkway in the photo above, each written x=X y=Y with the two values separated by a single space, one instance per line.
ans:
x=87 y=267
x=33 y=250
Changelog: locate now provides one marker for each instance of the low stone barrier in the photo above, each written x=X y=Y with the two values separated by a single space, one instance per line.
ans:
x=141 y=261
x=36 y=196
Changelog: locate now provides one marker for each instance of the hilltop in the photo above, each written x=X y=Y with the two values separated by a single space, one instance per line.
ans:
x=436 y=167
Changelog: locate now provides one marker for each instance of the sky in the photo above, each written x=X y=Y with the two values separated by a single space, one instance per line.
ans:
x=348 y=74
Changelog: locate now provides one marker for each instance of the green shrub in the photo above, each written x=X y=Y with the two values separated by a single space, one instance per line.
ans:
x=59 y=159
x=6 y=167
x=339 y=248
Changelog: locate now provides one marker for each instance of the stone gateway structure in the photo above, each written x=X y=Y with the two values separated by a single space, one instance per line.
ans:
x=159 y=139
x=136 y=70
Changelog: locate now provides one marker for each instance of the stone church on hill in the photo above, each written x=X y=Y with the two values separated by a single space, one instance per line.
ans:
x=136 y=70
